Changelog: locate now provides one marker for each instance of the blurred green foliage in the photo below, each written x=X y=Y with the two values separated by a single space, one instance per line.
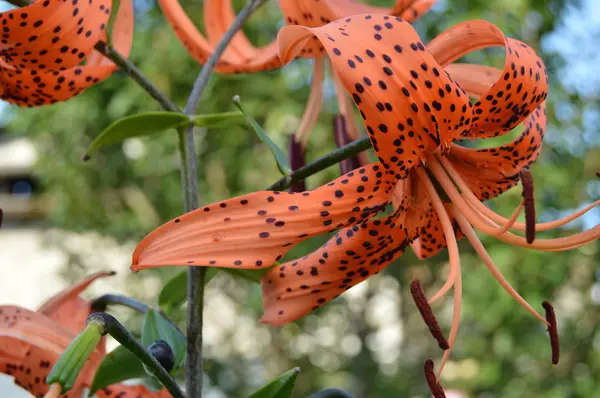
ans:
x=127 y=190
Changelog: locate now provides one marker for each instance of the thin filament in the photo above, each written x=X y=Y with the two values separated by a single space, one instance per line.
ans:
x=450 y=237
x=315 y=100
x=467 y=229
x=471 y=198
x=510 y=222
x=345 y=107
x=54 y=391
x=489 y=228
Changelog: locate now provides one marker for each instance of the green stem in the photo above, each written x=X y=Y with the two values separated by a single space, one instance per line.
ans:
x=105 y=300
x=196 y=275
x=322 y=163
x=123 y=336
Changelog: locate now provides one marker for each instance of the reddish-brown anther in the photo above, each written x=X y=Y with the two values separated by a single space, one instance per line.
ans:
x=427 y=314
x=342 y=138
x=434 y=385
x=529 y=204
x=552 y=331
x=297 y=159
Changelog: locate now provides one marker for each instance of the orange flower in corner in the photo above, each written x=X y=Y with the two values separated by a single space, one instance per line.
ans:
x=415 y=105
x=31 y=342
x=242 y=57
x=44 y=43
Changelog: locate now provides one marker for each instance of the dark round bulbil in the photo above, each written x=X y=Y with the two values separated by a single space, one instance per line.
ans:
x=163 y=353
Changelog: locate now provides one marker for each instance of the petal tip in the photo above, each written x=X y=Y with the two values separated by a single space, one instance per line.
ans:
x=291 y=39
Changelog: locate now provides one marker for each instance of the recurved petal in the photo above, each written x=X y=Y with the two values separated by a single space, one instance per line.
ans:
x=257 y=229
x=520 y=89
x=49 y=35
x=30 y=344
x=491 y=171
x=30 y=84
x=131 y=391
x=417 y=10
x=294 y=289
x=409 y=104
x=200 y=48
x=67 y=308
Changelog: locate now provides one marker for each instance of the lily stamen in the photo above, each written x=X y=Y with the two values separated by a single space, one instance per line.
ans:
x=432 y=381
x=472 y=199
x=452 y=244
x=427 y=314
x=553 y=331
x=346 y=110
x=340 y=131
x=470 y=234
x=315 y=100
x=511 y=221
x=490 y=228
x=527 y=183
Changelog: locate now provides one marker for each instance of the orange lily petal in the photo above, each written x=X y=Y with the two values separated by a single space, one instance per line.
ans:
x=30 y=344
x=64 y=41
x=409 y=104
x=67 y=308
x=217 y=17
x=294 y=289
x=522 y=87
x=131 y=391
x=257 y=229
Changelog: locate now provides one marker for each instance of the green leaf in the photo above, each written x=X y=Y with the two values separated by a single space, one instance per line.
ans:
x=114 y=11
x=135 y=126
x=118 y=365
x=283 y=163
x=173 y=293
x=219 y=120
x=281 y=387
x=156 y=327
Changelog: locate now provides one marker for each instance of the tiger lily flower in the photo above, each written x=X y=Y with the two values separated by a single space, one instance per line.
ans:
x=242 y=57
x=44 y=43
x=31 y=342
x=415 y=104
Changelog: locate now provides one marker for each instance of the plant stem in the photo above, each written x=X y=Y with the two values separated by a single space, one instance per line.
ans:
x=322 y=163
x=105 y=300
x=196 y=275
x=123 y=336
x=142 y=80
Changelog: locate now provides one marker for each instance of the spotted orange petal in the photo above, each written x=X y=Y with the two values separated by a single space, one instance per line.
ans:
x=30 y=344
x=294 y=289
x=409 y=104
x=66 y=36
x=521 y=88
x=67 y=308
x=489 y=171
x=131 y=391
x=257 y=229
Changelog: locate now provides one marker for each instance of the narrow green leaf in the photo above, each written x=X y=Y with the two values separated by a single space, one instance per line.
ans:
x=114 y=11
x=283 y=163
x=173 y=293
x=156 y=327
x=135 y=126
x=118 y=365
x=281 y=387
x=219 y=120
